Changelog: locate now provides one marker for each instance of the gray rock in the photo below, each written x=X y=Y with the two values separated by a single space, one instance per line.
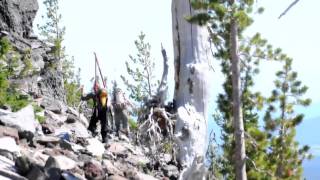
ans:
x=95 y=147
x=71 y=118
x=142 y=176
x=55 y=119
x=116 y=177
x=70 y=146
x=136 y=160
x=171 y=171
x=53 y=105
x=111 y=169
x=60 y=162
x=9 y=144
x=77 y=129
x=53 y=173
x=23 y=165
x=36 y=174
x=9 y=175
x=51 y=86
x=47 y=140
x=6 y=164
x=93 y=171
x=23 y=120
x=80 y=116
x=11 y=132
x=117 y=148
x=18 y=16
x=66 y=145
x=4 y=112
x=36 y=157
x=47 y=128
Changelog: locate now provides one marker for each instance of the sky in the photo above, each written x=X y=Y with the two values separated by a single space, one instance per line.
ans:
x=109 y=28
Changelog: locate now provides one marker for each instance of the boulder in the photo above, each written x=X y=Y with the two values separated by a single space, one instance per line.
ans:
x=9 y=144
x=9 y=175
x=44 y=140
x=51 y=86
x=80 y=116
x=93 y=171
x=117 y=148
x=77 y=129
x=136 y=160
x=53 y=105
x=142 y=176
x=110 y=168
x=23 y=120
x=171 y=171
x=53 y=173
x=23 y=165
x=35 y=156
x=36 y=174
x=4 y=112
x=71 y=118
x=116 y=177
x=57 y=118
x=11 y=132
x=47 y=128
x=60 y=162
x=6 y=164
x=70 y=146
x=95 y=147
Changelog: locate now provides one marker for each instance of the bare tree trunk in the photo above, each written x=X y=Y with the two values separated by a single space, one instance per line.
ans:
x=240 y=162
x=163 y=86
x=192 y=87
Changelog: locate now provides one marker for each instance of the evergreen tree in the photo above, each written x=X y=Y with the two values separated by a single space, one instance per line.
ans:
x=53 y=31
x=250 y=52
x=8 y=63
x=285 y=157
x=141 y=82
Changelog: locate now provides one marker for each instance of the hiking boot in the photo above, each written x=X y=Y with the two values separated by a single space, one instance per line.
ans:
x=93 y=132
x=105 y=140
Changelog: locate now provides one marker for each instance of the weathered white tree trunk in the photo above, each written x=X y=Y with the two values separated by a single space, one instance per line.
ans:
x=192 y=87
x=240 y=152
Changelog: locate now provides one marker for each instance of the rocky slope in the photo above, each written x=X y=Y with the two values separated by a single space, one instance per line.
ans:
x=16 y=18
x=60 y=147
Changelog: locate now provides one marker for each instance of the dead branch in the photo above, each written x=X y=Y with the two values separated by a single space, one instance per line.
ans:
x=288 y=8
x=163 y=87
x=257 y=169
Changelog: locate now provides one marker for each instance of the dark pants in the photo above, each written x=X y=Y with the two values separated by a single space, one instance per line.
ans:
x=121 y=118
x=99 y=114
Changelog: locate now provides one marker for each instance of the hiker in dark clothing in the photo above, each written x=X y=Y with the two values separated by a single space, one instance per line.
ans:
x=100 y=110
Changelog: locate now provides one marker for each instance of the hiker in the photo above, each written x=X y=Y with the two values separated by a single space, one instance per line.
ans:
x=100 y=110
x=120 y=105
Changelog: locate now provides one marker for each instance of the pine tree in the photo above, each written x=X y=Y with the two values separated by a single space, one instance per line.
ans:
x=53 y=31
x=250 y=51
x=141 y=81
x=8 y=63
x=285 y=157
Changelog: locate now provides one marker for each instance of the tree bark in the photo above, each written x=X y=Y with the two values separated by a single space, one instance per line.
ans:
x=240 y=153
x=192 y=87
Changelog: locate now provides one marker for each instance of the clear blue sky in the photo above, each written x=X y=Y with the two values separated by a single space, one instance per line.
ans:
x=109 y=28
